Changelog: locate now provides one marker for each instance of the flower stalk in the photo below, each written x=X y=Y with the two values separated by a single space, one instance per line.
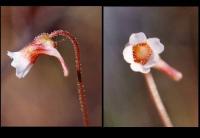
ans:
x=157 y=100
x=81 y=91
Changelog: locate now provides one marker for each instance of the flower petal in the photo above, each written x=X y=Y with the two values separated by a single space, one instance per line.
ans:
x=137 y=38
x=152 y=61
x=54 y=52
x=135 y=66
x=21 y=63
x=128 y=54
x=22 y=74
x=139 y=68
x=155 y=44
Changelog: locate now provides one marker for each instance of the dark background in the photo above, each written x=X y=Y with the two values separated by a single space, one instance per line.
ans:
x=126 y=99
x=45 y=97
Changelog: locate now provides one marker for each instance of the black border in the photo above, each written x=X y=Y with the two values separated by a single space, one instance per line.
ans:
x=102 y=55
x=52 y=2
x=102 y=3
x=150 y=2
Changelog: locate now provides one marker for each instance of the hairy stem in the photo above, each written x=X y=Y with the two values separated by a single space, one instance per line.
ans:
x=157 y=100
x=81 y=91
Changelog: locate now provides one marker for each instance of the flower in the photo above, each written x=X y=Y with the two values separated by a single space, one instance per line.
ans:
x=142 y=53
x=24 y=59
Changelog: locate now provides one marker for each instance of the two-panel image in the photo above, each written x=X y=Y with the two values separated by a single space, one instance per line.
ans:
x=99 y=66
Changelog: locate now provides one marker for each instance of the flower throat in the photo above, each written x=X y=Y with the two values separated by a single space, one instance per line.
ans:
x=141 y=53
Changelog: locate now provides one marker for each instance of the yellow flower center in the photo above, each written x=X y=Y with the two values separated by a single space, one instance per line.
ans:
x=141 y=53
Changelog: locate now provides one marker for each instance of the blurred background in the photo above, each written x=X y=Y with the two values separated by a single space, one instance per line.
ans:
x=126 y=99
x=45 y=97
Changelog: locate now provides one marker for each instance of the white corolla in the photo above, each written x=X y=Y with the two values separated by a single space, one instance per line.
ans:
x=24 y=59
x=142 y=54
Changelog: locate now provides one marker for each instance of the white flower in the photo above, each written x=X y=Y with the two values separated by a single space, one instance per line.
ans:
x=24 y=59
x=21 y=63
x=142 y=53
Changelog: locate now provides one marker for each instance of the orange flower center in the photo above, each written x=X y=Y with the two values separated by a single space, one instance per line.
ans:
x=141 y=53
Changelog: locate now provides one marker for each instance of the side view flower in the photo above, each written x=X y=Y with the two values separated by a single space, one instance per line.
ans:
x=24 y=59
x=142 y=54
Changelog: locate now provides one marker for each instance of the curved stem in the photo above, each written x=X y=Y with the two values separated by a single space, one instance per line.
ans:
x=81 y=91
x=157 y=100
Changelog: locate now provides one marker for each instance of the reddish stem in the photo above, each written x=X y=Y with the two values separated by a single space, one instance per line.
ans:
x=81 y=91
x=157 y=101
x=168 y=70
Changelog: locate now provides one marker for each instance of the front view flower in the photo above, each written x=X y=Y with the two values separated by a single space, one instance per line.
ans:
x=24 y=59
x=142 y=54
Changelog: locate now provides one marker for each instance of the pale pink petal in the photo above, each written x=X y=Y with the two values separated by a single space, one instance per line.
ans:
x=128 y=54
x=54 y=52
x=137 y=38
x=21 y=63
x=21 y=74
x=155 y=44
x=139 y=68
x=152 y=61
